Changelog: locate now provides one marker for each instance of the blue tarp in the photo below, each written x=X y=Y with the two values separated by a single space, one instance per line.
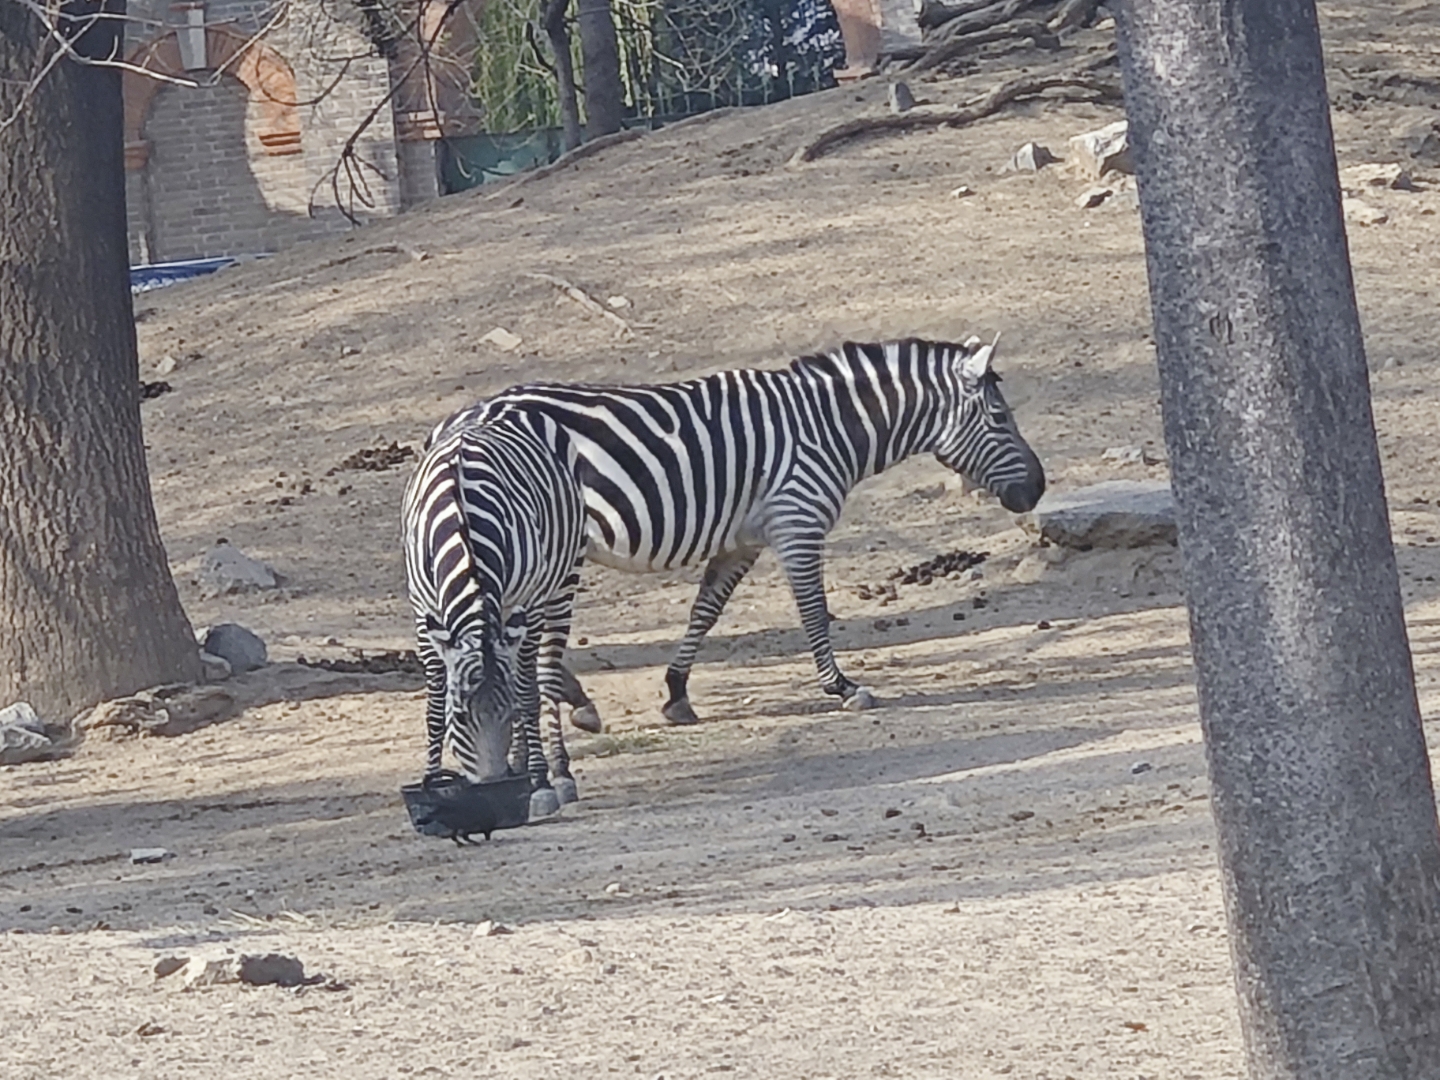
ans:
x=158 y=275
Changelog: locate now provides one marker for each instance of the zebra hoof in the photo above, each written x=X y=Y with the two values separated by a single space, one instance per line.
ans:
x=587 y=718
x=565 y=790
x=544 y=803
x=679 y=712
x=860 y=700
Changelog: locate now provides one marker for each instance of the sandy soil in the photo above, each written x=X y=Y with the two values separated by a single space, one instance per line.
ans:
x=971 y=881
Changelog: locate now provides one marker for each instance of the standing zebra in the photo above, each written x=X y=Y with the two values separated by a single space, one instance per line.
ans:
x=494 y=526
x=719 y=468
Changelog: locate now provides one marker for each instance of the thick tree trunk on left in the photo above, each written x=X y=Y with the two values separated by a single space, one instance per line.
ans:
x=88 y=609
x=600 y=56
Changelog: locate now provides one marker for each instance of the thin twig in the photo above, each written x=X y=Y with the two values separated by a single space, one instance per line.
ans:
x=586 y=301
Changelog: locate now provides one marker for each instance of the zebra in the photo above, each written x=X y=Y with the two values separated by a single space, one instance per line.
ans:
x=494 y=524
x=718 y=468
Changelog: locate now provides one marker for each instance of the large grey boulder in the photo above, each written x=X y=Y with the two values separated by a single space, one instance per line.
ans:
x=225 y=569
x=1113 y=514
x=241 y=648
x=1096 y=153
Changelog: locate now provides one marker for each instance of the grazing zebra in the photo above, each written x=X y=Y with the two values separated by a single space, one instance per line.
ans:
x=494 y=529
x=717 y=469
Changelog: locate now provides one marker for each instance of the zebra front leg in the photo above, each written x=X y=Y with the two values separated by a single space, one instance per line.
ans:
x=552 y=678
x=544 y=802
x=722 y=574
x=800 y=558
x=435 y=719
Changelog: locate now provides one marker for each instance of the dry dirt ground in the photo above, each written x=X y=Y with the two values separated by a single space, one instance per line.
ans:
x=970 y=881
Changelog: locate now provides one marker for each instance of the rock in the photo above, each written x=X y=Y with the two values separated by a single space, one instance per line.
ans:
x=1420 y=140
x=242 y=649
x=1113 y=514
x=490 y=928
x=964 y=191
x=502 y=339
x=1021 y=815
x=272 y=969
x=1363 y=213
x=142 y=855
x=1095 y=153
x=1130 y=455
x=24 y=737
x=1032 y=567
x=1032 y=157
x=225 y=569
x=214 y=668
x=1140 y=767
x=168 y=965
x=166 y=365
x=1092 y=197
x=1357 y=178
x=618 y=302
x=175 y=709
x=900 y=98
x=614 y=888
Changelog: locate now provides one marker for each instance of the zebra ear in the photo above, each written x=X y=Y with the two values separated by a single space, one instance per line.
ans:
x=977 y=365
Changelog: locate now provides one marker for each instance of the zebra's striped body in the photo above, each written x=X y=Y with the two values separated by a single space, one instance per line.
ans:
x=494 y=526
x=716 y=469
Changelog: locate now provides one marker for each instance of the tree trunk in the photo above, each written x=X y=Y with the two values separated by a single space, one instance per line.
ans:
x=88 y=609
x=559 y=35
x=600 y=55
x=1329 y=850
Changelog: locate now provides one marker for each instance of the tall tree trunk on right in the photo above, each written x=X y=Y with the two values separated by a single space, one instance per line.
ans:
x=1329 y=850
x=600 y=55
x=88 y=609
x=559 y=35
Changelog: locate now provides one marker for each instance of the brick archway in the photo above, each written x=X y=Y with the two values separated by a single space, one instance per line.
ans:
x=264 y=72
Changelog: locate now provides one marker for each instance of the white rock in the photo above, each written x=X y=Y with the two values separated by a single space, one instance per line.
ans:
x=200 y=971
x=214 y=668
x=1130 y=455
x=1092 y=197
x=489 y=928
x=962 y=192
x=166 y=365
x=22 y=715
x=1107 y=149
x=899 y=97
x=614 y=888
x=502 y=339
x=225 y=569
x=141 y=855
x=618 y=301
x=1031 y=157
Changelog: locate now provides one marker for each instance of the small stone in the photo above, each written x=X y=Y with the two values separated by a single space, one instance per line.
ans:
x=242 y=649
x=272 y=969
x=200 y=972
x=1140 y=767
x=618 y=301
x=831 y=837
x=788 y=838
x=349 y=350
x=882 y=625
x=1390 y=364
x=214 y=668
x=891 y=812
x=1022 y=815
x=1130 y=455
x=1106 y=23
x=168 y=965
x=829 y=812
x=488 y=928
x=1107 y=149
x=166 y=365
x=502 y=339
x=614 y=888
x=1355 y=179
x=1043 y=624
x=141 y=855
x=225 y=569
x=964 y=191
x=1092 y=197
x=1363 y=213
x=1032 y=157
x=1420 y=139
x=900 y=98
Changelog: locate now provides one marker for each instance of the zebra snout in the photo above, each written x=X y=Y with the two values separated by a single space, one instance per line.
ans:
x=1021 y=497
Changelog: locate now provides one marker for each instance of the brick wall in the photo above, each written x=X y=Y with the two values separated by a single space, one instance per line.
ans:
x=210 y=187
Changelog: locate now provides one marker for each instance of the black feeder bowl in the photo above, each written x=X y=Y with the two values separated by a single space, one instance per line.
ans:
x=449 y=805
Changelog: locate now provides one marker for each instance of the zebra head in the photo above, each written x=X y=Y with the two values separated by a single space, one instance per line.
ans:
x=979 y=438
x=480 y=701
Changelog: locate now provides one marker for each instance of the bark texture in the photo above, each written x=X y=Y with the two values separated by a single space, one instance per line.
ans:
x=600 y=57
x=88 y=609
x=1322 y=794
x=559 y=34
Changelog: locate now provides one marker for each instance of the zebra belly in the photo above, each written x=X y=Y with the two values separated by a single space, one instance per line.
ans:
x=746 y=536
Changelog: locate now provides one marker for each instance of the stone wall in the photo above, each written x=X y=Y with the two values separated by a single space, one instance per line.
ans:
x=239 y=163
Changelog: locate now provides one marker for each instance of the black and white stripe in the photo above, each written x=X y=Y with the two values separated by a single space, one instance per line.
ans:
x=716 y=469
x=494 y=526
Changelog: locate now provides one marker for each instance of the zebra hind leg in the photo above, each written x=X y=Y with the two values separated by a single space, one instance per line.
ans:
x=722 y=574
x=544 y=801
